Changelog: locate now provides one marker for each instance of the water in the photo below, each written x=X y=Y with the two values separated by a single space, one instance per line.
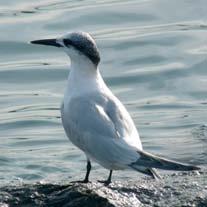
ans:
x=153 y=58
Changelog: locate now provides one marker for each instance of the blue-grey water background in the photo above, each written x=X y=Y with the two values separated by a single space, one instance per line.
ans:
x=154 y=58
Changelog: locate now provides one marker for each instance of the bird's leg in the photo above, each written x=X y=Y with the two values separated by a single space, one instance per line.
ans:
x=108 y=181
x=86 y=180
x=88 y=167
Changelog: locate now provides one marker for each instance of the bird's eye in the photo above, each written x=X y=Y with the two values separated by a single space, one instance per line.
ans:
x=67 y=42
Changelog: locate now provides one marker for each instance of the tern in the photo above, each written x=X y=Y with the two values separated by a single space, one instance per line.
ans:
x=95 y=120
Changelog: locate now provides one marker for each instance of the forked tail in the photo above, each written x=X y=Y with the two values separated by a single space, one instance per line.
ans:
x=148 y=160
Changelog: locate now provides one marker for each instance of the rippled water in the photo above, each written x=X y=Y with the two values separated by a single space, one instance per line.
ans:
x=154 y=58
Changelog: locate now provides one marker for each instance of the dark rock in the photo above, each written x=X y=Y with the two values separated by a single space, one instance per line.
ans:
x=180 y=189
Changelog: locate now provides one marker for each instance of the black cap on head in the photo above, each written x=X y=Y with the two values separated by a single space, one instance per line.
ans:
x=81 y=41
x=85 y=44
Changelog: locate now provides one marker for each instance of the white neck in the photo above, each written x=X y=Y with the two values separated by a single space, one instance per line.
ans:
x=84 y=78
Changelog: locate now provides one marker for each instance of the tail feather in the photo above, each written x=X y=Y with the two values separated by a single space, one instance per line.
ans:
x=149 y=161
x=147 y=171
x=155 y=174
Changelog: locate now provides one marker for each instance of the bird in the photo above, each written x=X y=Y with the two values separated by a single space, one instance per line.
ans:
x=95 y=120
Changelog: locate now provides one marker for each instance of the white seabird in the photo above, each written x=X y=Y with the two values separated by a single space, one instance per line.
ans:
x=95 y=120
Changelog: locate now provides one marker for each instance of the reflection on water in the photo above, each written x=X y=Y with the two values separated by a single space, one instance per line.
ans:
x=153 y=58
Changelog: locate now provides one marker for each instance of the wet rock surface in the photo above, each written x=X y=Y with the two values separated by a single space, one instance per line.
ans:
x=179 y=189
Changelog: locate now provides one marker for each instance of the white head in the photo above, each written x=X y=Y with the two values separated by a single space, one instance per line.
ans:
x=80 y=46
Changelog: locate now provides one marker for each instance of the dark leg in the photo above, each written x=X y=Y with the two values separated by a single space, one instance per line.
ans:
x=86 y=180
x=108 y=181
x=88 y=167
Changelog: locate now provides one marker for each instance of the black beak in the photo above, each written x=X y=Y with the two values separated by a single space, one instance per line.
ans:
x=50 y=42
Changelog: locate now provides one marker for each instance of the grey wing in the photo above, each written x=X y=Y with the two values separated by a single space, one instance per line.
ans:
x=105 y=115
x=123 y=122
x=89 y=116
x=92 y=129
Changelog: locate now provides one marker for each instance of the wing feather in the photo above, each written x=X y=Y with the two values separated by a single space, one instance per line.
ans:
x=96 y=126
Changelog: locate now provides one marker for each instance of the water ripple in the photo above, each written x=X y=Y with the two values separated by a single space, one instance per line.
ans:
x=132 y=32
x=153 y=59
